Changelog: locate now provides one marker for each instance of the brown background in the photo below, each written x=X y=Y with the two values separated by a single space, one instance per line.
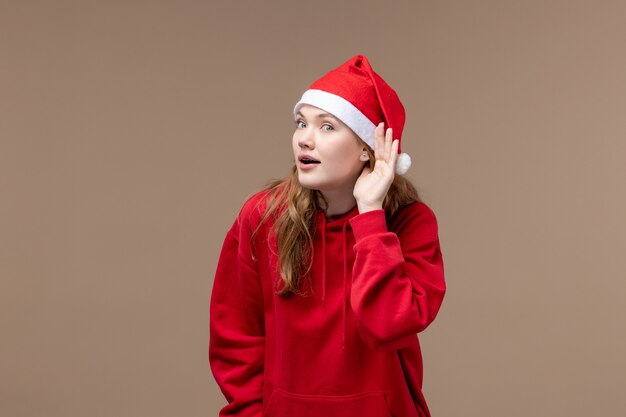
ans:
x=131 y=133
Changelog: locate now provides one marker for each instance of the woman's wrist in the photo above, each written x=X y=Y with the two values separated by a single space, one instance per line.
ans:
x=365 y=207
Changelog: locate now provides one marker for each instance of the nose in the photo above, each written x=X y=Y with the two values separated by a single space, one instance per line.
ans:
x=306 y=138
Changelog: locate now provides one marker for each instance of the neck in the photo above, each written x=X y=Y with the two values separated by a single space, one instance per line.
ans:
x=338 y=203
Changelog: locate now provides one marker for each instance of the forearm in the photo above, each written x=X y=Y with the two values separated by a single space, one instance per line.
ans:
x=397 y=289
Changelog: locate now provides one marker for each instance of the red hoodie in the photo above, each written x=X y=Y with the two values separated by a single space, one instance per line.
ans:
x=349 y=348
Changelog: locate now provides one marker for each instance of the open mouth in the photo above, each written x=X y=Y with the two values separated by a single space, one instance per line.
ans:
x=309 y=161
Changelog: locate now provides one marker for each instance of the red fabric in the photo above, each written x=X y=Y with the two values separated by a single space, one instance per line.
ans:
x=352 y=80
x=348 y=348
x=356 y=81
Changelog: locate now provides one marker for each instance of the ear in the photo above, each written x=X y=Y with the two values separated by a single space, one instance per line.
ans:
x=364 y=155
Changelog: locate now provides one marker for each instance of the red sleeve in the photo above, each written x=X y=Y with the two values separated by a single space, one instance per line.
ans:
x=397 y=279
x=236 y=329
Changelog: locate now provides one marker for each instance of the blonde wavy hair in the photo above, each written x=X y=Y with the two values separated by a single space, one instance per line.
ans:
x=294 y=207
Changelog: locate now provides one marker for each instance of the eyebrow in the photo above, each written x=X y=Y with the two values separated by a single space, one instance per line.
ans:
x=320 y=115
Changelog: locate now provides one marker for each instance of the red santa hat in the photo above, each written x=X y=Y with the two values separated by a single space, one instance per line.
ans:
x=361 y=99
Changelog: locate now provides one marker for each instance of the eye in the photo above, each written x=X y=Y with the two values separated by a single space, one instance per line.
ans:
x=324 y=127
x=300 y=123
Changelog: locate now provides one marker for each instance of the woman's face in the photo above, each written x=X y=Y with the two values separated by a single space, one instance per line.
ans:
x=326 y=139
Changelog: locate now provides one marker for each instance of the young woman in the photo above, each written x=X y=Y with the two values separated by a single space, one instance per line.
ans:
x=326 y=276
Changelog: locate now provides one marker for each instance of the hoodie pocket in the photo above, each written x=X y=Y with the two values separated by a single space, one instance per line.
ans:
x=365 y=404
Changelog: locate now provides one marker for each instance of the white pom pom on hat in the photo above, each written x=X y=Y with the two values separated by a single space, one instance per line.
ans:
x=403 y=163
x=361 y=99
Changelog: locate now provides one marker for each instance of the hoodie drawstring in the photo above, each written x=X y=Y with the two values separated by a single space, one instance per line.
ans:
x=344 y=242
x=323 y=261
x=345 y=274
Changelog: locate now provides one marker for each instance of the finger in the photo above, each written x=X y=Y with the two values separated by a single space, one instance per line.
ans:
x=388 y=142
x=378 y=141
x=394 y=155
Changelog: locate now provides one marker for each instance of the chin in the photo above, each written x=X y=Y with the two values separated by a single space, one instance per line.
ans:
x=308 y=185
x=311 y=185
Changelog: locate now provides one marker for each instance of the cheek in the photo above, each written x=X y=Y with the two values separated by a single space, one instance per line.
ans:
x=343 y=160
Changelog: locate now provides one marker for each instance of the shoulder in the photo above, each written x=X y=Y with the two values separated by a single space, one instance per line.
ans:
x=415 y=221
x=255 y=204
x=251 y=212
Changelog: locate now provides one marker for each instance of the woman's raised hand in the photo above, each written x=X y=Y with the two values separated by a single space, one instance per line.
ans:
x=372 y=186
